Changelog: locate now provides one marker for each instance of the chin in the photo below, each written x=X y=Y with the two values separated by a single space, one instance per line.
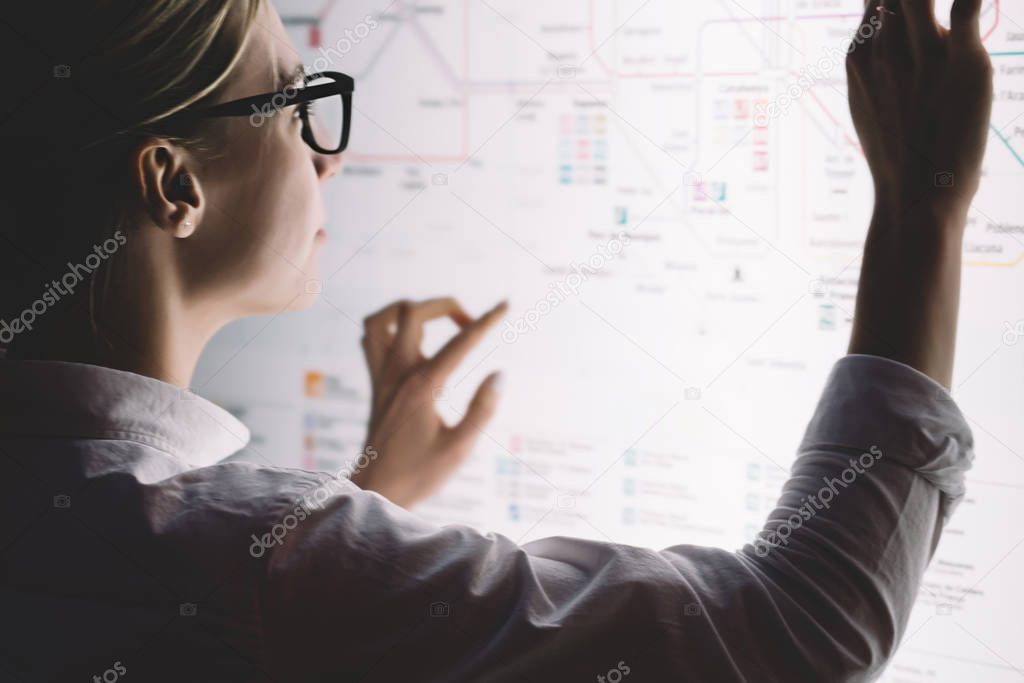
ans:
x=285 y=288
x=296 y=294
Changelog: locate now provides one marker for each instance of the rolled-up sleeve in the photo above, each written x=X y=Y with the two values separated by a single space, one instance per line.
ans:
x=365 y=590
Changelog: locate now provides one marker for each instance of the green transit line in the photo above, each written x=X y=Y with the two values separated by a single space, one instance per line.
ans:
x=1008 y=145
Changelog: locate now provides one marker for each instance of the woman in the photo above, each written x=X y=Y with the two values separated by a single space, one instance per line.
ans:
x=158 y=211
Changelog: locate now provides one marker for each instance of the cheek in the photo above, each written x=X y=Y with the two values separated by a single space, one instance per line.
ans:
x=284 y=213
x=286 y=206
x=262 y=249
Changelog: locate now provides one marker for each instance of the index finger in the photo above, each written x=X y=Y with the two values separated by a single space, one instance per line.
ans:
x=963 y=20
x=412 y=318
x=448 y=358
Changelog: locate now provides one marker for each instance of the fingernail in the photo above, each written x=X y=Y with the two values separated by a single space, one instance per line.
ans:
x=498 y=383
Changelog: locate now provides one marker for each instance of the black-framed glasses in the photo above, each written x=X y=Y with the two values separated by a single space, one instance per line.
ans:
x=325 y=106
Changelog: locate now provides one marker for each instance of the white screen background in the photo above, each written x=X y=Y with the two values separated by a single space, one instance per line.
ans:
x=500 y=148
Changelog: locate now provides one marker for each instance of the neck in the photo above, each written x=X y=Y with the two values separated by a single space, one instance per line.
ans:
x=157 y=337
x=143 y=324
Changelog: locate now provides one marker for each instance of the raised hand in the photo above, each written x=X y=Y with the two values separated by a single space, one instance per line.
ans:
x=920 y=96
x=411 y=450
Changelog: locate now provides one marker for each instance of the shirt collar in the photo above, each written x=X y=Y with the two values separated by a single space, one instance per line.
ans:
x=76 y=400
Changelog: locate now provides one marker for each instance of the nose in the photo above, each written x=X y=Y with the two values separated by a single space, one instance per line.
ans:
x=327 y=165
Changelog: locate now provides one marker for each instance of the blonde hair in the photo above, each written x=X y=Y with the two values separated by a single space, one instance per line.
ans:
x=124 y=69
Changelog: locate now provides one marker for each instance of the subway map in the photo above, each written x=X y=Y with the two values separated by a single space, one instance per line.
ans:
x=673 y=199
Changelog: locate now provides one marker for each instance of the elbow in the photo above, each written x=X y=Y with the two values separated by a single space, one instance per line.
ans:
x=831 y=625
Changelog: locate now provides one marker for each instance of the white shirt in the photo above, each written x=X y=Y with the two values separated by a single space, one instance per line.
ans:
x=129 y=551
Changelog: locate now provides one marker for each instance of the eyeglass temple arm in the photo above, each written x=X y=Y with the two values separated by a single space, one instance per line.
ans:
x=342 y=85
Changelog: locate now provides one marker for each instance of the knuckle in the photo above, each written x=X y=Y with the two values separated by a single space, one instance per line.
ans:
x=986 y=70
x=413 y=388
x=427 y=377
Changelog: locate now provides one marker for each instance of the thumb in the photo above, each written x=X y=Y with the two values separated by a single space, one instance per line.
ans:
x=481 y=409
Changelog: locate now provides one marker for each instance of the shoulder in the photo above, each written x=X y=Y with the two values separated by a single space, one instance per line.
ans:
x=235 y=495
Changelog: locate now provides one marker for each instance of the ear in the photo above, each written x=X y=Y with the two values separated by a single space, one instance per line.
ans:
x=169 y=187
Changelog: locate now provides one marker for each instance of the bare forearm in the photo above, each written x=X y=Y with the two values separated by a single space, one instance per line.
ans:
x=920 y=98
x=908 y=302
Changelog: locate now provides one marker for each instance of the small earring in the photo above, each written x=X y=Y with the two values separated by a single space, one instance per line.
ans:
x=188 y=222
